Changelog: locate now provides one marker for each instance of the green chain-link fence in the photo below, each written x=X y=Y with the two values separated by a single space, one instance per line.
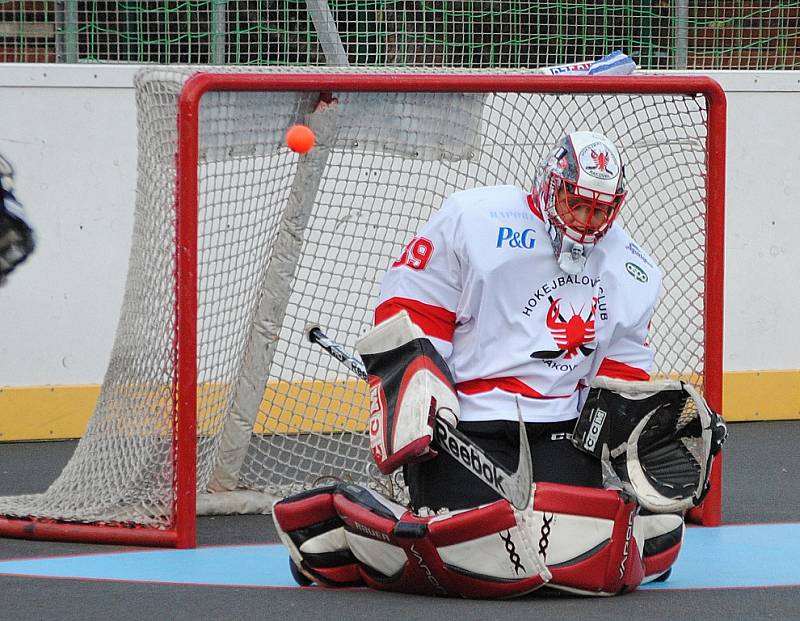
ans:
x=660 y=34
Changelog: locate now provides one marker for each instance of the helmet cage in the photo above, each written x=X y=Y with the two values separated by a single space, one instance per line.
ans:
x=574 y=211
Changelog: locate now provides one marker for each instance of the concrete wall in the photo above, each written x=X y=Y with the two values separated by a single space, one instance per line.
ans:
x=71 y=133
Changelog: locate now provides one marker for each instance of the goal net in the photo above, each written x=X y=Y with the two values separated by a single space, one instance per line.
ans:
x=213 y=397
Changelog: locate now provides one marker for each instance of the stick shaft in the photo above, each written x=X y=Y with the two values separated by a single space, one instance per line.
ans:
x=316 y=335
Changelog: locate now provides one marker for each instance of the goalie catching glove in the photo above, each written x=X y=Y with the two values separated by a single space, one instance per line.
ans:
x=658 y=439
x=410 y=385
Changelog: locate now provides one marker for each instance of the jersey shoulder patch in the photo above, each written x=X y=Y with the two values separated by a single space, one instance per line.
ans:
x=630 y=274
x=629 y=258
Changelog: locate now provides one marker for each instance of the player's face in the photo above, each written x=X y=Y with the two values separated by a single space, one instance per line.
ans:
x=584 y=215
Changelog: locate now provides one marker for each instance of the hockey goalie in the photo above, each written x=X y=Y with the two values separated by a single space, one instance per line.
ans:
x=510 y=304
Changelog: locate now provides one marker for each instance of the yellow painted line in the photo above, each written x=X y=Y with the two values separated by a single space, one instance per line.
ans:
x=761 y=395
x=59 y=412
x=46 y=412
x=313 y=406
x=292 y=407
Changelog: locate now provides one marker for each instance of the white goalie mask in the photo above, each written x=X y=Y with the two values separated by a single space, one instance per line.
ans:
x=579 y=188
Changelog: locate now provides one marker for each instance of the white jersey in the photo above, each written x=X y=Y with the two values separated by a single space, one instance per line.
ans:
x=481 y=280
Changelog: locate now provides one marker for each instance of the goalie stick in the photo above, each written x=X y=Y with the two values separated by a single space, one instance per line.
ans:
x=516 y=487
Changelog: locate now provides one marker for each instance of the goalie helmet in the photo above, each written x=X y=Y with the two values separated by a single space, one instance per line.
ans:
x=579 y=188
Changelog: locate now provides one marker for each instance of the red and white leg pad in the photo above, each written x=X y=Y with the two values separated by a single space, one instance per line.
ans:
x=663 y=536
x=310 y=528
x=590 y=540
x=347 y=535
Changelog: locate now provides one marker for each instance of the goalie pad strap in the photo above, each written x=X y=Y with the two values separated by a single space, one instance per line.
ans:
x=410 y=384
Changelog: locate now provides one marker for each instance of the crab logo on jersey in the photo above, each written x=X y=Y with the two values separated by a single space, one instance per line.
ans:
x=571 y=335
x=598 y=161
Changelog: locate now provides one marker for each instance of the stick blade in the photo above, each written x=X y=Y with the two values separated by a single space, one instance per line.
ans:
x=521 y=487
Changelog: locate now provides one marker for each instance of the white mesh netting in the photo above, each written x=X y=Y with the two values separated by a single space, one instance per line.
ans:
x=284 y=241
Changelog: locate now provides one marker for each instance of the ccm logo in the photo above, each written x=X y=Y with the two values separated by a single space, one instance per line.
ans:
x=515 y=239
x=376 y=441
x=595 y=426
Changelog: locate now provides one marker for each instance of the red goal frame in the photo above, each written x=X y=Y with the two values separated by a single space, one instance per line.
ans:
x=182 y=533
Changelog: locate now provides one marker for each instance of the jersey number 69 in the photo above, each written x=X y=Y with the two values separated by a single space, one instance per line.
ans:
x=416 y=255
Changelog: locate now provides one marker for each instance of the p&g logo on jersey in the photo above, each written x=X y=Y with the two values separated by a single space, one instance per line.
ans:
x=515 y=239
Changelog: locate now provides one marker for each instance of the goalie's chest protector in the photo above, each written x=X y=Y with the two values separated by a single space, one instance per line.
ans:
x=524 y=328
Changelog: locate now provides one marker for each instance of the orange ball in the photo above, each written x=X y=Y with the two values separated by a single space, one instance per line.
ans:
x=300 y=138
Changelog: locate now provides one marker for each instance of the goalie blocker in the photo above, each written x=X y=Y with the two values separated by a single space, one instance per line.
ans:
x=410 y=384
x=657 y=440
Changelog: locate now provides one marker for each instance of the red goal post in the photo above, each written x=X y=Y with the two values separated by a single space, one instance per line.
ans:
x=210 y=386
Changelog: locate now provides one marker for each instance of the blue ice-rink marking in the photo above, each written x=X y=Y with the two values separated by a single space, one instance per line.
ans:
x=254 y=566
x=757 y=555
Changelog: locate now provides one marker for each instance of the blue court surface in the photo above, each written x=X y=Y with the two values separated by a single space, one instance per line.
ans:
x=736 y=556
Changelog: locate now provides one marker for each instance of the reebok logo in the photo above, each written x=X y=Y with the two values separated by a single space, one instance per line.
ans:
x=466 y=454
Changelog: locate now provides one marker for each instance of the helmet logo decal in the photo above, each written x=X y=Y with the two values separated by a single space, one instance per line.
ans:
x=570 y=335
x=601 y=159
x=598 y=161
